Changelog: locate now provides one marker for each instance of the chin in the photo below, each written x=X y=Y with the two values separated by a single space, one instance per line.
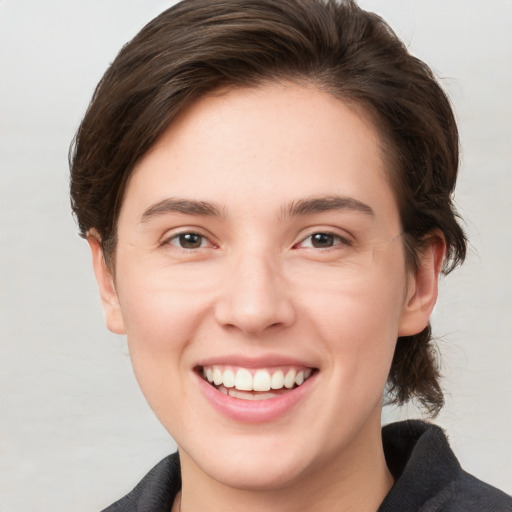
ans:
x=256 y=473
x=255 y=462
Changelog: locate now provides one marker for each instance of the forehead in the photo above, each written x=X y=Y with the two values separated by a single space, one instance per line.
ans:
x=258 y=148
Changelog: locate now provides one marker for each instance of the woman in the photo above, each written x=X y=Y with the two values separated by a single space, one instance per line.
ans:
x=266 y=190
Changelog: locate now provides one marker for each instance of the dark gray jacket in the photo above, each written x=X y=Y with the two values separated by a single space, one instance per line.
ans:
x=428 y=478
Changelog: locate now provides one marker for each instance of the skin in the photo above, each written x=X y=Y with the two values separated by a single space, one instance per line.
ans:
x=257 y=287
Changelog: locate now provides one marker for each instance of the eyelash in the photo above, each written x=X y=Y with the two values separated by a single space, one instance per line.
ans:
x=178 y=237
x=341 y=241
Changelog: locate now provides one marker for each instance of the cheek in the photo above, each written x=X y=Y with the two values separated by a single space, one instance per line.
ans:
x=362 y=333
x=160 y=309
x=359 y=326
x=161 y=322
x=359 y=312
x=161 y=319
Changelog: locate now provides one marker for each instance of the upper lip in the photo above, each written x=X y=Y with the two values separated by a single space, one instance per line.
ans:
x=266 y=361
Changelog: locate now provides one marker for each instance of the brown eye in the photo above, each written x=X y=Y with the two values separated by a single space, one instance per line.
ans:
x=322 y=240
x=189 y=241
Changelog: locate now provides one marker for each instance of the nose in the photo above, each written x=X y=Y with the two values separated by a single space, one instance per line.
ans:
x=254 y=298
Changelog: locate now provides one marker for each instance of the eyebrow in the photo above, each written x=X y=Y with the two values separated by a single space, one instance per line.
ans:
x=325 y=204
x=185 y=206
x=295 y=208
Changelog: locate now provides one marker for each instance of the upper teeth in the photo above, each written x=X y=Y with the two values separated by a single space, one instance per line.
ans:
x=255 y=380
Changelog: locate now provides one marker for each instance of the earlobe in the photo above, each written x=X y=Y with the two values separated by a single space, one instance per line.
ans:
x=110 y=300
x=423 y=287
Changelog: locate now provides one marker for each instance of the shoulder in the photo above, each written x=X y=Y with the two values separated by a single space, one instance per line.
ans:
x=428 y=476
x=155 y=492
x=467 y=493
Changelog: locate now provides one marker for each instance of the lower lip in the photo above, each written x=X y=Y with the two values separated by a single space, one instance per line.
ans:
x=254 y=411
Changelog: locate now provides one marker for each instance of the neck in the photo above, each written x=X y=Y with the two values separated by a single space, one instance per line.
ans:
x=357 y=480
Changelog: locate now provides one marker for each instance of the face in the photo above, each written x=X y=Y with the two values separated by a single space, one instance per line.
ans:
x=261 y=282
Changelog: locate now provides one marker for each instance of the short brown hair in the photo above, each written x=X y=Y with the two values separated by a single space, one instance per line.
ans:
x=198 y=46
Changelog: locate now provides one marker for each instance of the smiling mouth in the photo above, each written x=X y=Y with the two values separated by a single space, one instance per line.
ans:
x=254 y=384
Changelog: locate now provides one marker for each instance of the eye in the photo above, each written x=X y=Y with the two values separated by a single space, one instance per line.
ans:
x=323 y=240
x=189 y=241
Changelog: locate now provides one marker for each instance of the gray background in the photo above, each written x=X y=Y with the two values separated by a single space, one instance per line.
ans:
x=75 y=432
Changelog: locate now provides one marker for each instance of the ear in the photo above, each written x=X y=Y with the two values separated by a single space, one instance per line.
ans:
x=422 y=286
x=111 y=307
